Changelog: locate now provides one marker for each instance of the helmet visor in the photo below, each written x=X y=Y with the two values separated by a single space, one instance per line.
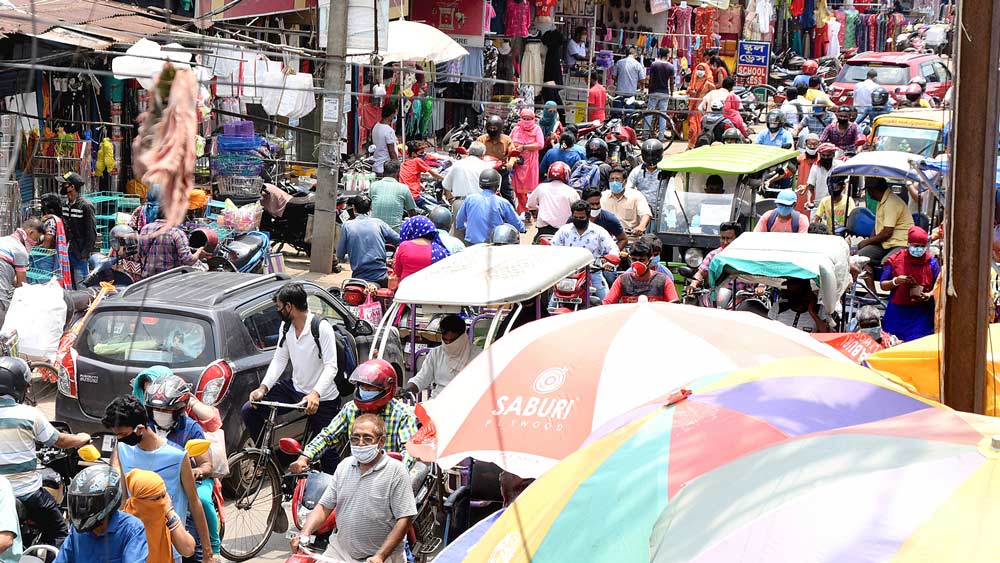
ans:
x=86 y=511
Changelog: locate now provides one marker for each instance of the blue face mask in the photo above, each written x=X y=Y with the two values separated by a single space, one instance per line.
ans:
x=784 y=210
x=918 y=251
x=366 y=395
x=654 y=263
x=616 y=187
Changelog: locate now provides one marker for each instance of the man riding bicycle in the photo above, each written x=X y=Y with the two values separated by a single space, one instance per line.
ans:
x=376 y=388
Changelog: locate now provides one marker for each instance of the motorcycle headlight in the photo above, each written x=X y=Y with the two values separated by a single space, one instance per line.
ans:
x=693 y=257
x=566 y=286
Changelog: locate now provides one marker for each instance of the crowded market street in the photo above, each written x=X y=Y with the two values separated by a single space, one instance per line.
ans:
x=498 y=281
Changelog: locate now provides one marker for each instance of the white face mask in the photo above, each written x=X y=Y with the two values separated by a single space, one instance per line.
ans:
x=163 y=420
x=365 y=454
x=595 y=213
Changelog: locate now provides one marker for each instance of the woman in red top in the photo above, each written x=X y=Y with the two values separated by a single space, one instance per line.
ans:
x=420 y=248
x=415 y=165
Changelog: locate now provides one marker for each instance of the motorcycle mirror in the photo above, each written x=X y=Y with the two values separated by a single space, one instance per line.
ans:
x=197 y=447
x=290 y=446
x=686 y=271
x=462 y=151
x=89 y=453
x=786 y=146
x=363 y=328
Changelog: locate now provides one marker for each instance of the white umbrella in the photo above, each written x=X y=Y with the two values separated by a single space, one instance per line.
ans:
x=413 y=41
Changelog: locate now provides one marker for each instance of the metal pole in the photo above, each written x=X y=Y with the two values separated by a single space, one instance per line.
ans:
x=322 y=257
x=970 y=205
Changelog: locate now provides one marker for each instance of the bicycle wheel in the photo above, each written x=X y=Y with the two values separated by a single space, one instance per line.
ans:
x=252 y=506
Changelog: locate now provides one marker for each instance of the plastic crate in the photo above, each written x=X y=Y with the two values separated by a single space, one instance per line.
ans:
x=238 y=129
x=238 y=164
x=42 y=265
x=229 y=143
x=239 y=186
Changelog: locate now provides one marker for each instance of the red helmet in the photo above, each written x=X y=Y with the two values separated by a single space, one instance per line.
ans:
x=377 y=373
x=558 y=171
x=810 y=67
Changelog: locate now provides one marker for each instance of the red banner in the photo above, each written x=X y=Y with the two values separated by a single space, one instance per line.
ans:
x=462 y=20
x=854 y=345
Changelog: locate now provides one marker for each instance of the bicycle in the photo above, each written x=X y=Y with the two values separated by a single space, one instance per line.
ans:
x=646 y=124
x=254 y=484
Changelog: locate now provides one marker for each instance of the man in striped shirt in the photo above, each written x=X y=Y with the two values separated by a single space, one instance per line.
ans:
x=20 y=427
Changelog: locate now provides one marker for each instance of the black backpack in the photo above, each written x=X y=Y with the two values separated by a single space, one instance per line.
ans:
x=346 y=362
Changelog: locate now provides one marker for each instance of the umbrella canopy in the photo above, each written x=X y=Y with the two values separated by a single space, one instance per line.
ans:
x=600 y=503
x=917 y=485
x=414 y=41
x=534 y=396
x=727 y=159
x=892 y=165
x=918 y=363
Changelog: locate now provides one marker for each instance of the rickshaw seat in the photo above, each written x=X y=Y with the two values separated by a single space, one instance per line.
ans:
x=861 y=222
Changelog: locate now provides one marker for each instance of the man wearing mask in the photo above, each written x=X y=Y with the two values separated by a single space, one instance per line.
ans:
x=584 y=233
x=728 y=232
x=843 y=133
x=642 y=280
x=628 y=73
x=443 y=363
x=310 y=344
x=646 y=176
x=81 y=225
x=384 y=139
x=776 y=134
x=462 y=179
x=484 y=211
x=499 y=145
x=14 y=262
x=833 y=209
x=816 y=187
x=806 y=160
x=628 y=205
x=814 y=122
x=783 y=218
x=602 y=217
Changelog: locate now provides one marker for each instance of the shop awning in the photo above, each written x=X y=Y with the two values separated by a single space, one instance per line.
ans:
x=94 y=24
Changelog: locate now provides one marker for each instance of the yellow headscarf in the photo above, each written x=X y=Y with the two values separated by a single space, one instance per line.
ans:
x=148 y=501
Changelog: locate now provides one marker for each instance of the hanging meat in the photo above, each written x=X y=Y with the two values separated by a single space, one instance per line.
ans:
x=164 y=149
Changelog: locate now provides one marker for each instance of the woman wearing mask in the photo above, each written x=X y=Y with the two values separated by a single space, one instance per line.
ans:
x=55 y=239
x=551 y=126
x=701 y=84
x=806 y=160
x=528 y=140
x=908 y=276
x=148 y=501
x=420 y=248
x=443 y=363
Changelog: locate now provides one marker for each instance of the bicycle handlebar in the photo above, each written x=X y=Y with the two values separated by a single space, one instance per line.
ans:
x=275 y=405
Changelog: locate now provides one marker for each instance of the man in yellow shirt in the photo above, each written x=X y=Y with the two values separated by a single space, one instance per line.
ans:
x=833 y=209
x=815 y=91
x=892 y=224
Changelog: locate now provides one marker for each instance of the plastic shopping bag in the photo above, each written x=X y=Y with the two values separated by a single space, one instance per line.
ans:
x=220 y=464
x=38 y=313
x=370 y=311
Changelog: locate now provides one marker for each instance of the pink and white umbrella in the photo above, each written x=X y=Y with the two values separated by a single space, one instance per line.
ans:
x=535 y=395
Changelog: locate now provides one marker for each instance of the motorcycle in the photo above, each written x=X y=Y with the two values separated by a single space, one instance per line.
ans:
x=57 y=468
x=623 y=144
x=568 y=294
x=460 y=137
x=290 y=226
x=244 y=252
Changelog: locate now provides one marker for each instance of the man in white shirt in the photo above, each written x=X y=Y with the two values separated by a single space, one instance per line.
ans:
x=462 y=180
x=576 y=47
x=443 y=363
x=552 y=199
x=384 y=139
x=310 y=344
x=584 y=233
x=863 y=97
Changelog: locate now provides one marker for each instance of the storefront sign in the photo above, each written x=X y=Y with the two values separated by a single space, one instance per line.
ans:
x=753 y=58
x=462 y=20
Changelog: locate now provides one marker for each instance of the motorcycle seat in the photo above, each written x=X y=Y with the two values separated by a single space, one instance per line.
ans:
x=245 y=246
x=418 y=474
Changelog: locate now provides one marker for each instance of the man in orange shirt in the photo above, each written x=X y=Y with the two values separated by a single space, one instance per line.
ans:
x=411 y=169
x=597 y=100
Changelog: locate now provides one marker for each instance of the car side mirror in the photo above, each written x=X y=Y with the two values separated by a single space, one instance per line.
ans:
x=364 y=328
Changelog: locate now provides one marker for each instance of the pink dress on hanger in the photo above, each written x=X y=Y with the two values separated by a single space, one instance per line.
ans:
x=517 y=18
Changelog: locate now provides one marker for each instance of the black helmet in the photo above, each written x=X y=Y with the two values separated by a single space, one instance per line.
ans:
x=94 y=494
x=775 y=117
x=597 y=148
x=494 y=122
x=914 y=92
x=441 y=217
x=124 y=239
x=919 y=80
x=652 y=152
x=14 y=377
x=505 y=234
x=880 y=96
x=732 y=134
x=490 y=178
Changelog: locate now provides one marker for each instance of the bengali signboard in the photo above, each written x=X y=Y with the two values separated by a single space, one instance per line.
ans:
x=753 y=58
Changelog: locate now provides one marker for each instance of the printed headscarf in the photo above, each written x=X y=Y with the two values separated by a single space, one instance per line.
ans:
x=422 y=227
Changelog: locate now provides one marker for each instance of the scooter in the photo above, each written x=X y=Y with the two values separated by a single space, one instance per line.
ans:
x=568 y=294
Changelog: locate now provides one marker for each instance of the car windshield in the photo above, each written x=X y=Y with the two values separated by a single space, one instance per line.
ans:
x=148 y=339
x=886 y=74
x=701 y=213
x=906 y=139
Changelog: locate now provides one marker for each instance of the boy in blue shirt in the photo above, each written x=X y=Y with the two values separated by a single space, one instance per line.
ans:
x=100 y=531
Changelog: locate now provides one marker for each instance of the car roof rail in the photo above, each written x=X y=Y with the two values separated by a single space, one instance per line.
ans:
x=257 y=280
x=162 y=275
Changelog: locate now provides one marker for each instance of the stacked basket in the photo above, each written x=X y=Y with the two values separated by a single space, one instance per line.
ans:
x=238 y=166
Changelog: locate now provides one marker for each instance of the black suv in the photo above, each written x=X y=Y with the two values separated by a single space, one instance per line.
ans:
x=186 y=320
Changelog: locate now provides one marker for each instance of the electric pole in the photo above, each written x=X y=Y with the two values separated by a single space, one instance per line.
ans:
x=971 y=199
x=328 y=159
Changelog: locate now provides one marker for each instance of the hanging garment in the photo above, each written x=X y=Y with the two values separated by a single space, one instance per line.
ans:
x=797 y=8
x=833 y=37
x=518 y=18
x=553 y=41
x=497 y=22
x=682 y=26
x=532 y=70
x=850 y=29
x=808 y=18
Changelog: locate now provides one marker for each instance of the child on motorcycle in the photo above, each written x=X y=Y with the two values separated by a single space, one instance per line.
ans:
x=376 y=389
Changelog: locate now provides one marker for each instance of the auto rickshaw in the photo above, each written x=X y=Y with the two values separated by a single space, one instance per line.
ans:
x=497 y=288
x=911 y=130
x=690 y=211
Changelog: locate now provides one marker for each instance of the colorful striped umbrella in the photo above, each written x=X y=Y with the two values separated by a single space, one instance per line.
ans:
x=921 y=486
x=600 y=503
x=535 y=396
